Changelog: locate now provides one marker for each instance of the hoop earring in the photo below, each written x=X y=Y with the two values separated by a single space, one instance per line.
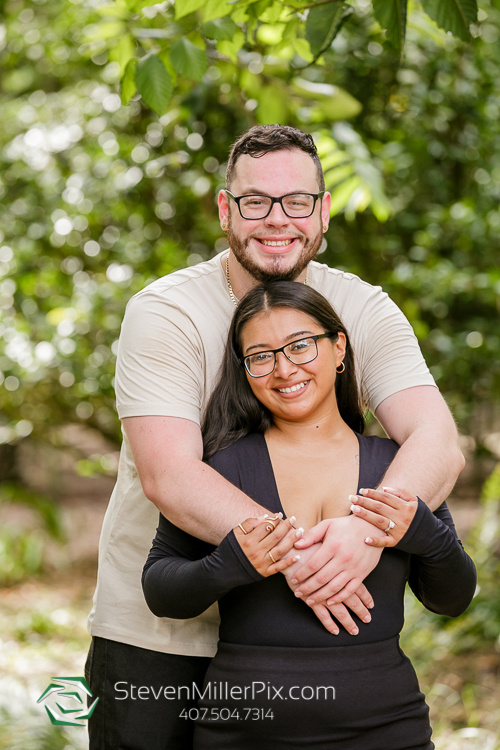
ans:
x=342 y=365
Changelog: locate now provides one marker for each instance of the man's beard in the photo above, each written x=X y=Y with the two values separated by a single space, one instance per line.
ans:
x=275 y=272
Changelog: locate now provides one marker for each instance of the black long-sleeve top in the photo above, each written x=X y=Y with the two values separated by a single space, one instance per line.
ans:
x=183 y=575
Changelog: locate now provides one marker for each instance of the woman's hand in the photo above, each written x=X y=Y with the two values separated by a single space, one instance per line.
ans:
x=388 y=509
x=266 y=540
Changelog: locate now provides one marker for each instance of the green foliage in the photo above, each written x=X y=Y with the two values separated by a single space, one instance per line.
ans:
x=188 y=59
x=153 y=83
x=454 y=16
x=479 y=627
x=323 y=24
x=392 y=17
x=21 y=549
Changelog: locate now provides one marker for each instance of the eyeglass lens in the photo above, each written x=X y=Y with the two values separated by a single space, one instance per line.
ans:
x=257 y=206
x=298 y=352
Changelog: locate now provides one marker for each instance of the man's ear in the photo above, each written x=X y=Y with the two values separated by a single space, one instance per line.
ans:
x=223 y=202
x=325 y=209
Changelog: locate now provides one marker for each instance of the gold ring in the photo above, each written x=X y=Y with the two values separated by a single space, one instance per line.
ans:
x=243 y=530
x=271 y=556
x=272 y=525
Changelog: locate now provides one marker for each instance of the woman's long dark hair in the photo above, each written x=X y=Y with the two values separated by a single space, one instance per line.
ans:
x=233 y=411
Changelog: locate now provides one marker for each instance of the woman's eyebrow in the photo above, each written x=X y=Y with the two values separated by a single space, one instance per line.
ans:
x=267 y=347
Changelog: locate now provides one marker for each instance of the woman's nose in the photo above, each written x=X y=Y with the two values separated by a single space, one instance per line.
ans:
x=284 y=367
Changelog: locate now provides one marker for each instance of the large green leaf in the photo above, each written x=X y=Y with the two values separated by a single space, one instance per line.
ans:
x=323 y=24
x=153 y=83
x=188 y=59
x=185 y=7
x=222 y=29
x=391 y=15
x=334 y=102
x=453 y=15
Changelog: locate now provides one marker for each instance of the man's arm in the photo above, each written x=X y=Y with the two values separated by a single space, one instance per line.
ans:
x=427 y=464
x=429 y=460
x=168 y=456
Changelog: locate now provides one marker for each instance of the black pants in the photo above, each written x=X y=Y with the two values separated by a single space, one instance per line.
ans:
x=130 y=718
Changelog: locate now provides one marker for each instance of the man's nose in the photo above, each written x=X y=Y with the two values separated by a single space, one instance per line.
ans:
x=284 y=368
x=277 y=217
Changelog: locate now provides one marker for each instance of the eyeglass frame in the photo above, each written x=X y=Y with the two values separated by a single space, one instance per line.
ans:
x=237 y=199
x=315 y=337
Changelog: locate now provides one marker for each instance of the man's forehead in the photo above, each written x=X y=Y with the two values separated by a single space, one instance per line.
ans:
x=288 y=169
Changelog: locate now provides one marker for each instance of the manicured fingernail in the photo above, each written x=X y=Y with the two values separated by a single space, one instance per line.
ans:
x=280 y=514
x=299 y=531
x=355 y=509
x=294 y=580
x=352 y=499
x=292 y=519
x=297 y=557
x=369 y=540
x=355 y=631
x=311 y=601
x=331 y=601
x=388 y=489
x=371 y=605
x=363 y=492
x=367 y=618
x=299 y=593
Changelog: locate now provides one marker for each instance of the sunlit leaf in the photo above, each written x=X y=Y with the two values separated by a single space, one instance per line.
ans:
x=454 y=16
x=128 y=86
x=216 y=9
x=391 y=15
x=103 y=30
x=153 y=83
x=188 y=59
x=185 y=7
x=123 y=52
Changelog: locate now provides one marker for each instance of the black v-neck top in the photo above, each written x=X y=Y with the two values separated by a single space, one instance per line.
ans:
x=183 y=575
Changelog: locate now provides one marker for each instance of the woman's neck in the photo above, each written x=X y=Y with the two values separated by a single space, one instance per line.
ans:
x=320 y=430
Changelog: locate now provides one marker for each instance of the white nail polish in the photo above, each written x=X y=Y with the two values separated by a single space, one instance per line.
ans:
x=297 y=557
x=354 y=508
x=352 y=498
x=292 y=519
x=363 y=492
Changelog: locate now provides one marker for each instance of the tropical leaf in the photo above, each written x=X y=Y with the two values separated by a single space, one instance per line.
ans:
x=391 y=15
x=454 y=16
x=323 y=24
x=188 y=59
x=153 y=83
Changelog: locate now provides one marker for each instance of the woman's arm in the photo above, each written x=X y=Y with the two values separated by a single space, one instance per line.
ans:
x=183 y=576
x=442 y=575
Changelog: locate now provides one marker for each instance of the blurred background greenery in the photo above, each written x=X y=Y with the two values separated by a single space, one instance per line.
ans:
x=99 y=198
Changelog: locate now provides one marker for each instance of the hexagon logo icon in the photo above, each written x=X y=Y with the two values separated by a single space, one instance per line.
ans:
x=60 y=689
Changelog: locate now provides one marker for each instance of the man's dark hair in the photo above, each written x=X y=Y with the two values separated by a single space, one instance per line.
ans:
x=261 y=139
x=233 y=411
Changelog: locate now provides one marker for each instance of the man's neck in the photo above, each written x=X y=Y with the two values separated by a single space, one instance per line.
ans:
x=242 y=281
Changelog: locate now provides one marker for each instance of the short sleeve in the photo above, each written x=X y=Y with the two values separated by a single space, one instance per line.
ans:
x=387 y=352
x=159 y=370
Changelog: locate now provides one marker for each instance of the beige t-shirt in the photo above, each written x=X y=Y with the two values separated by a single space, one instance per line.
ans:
x=170 y=349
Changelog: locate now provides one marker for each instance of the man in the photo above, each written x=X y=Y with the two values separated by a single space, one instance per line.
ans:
x=275 y=212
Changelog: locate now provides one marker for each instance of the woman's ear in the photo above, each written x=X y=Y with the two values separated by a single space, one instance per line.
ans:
x=340 y=346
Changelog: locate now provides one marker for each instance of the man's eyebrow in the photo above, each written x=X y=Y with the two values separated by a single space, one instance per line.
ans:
x=258 y=191
x=291 y=337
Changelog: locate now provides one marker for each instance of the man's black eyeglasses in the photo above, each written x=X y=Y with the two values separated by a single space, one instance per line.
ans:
x=294 y=205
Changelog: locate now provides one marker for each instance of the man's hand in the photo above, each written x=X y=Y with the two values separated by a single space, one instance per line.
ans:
x=359 y=603
x=340 y=564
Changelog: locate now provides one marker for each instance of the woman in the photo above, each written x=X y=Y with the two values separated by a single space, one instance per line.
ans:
x=284 y=424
